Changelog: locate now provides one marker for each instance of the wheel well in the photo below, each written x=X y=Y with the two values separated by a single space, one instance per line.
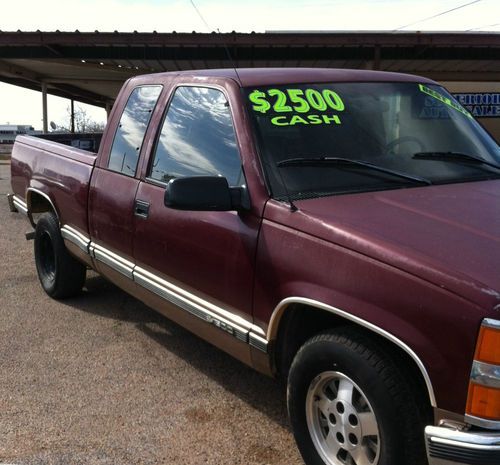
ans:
x=38 y=203
x=301 y=322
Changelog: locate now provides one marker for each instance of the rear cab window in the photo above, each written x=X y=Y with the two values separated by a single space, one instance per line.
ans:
x=131 y=129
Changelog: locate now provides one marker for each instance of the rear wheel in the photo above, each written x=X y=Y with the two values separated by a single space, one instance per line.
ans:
x=60 y=274
x=350 y=404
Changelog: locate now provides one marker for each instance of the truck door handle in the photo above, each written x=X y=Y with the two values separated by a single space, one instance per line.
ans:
x=141 y=208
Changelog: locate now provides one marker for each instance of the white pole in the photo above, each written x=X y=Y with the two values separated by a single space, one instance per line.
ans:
x=44 y=106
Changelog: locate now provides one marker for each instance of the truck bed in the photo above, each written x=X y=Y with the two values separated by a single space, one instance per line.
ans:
x=44 y=170
x=89 y=142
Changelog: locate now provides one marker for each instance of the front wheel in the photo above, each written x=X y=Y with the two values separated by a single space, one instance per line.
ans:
x=60 y=274
x=349 y=404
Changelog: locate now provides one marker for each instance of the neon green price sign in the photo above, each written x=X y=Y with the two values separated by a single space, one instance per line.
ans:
x=443 y=99
x=292 y=105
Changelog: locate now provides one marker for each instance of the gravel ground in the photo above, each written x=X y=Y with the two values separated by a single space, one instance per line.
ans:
x=102 y=379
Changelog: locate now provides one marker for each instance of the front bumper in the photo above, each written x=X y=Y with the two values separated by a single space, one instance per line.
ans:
x=446 y=446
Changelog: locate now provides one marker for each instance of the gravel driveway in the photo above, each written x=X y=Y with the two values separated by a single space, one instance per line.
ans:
x=102 y=379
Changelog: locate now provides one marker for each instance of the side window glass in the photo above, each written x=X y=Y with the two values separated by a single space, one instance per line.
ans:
x=197 y=138
x=132 y=128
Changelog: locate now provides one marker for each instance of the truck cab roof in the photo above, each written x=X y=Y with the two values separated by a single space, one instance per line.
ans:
x=247 y=77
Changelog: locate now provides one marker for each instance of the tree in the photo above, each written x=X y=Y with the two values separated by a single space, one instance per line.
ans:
x=83 y=122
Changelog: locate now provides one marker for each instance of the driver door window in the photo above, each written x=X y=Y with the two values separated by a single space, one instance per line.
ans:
x=197 y=138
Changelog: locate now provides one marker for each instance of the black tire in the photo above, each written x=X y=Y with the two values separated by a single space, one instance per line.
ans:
x=60 y=274
x=342 y=432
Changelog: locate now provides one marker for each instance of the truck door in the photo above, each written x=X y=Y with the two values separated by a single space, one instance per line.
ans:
x=114 y=184
x=202 y=262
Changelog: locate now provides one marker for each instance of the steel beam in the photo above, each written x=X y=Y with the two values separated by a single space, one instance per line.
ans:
x=72 y=116
x=56 y=40
x=108 y=108
x=9 y=69
x=44 y=108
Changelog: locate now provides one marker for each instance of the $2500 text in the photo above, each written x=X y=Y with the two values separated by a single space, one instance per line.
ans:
x=302 y=100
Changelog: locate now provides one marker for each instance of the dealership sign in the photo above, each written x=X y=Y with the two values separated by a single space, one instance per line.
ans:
x=481 y=105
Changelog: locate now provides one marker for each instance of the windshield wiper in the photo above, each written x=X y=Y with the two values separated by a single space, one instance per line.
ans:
x=339 y=161
x=454 y=156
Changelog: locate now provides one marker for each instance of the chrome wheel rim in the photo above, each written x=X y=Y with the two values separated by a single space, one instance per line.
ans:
x=341 y=421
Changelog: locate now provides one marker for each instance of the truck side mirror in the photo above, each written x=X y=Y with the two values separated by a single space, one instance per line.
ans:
x=204 y=193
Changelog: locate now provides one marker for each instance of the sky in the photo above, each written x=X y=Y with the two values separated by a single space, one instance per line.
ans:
x=20 y=106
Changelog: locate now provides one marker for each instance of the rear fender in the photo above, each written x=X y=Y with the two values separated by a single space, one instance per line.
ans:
x=39 y=202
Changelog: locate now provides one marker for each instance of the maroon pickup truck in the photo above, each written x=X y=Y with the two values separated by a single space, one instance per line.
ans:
x=337 y=228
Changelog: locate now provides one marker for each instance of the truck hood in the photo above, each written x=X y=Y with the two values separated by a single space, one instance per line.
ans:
x=448 y=235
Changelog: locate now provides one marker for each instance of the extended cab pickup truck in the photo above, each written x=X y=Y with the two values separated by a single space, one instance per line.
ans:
x=337 y=228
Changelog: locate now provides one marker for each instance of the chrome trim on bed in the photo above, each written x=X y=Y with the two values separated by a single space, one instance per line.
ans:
x=10 y=201
x=20 y=204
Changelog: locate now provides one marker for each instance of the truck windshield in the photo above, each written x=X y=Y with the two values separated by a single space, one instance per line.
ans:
x=411 y=129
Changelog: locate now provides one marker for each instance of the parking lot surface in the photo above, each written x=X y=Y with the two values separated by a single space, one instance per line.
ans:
x=102 y=379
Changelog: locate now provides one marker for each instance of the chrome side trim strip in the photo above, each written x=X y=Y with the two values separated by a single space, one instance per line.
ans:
x=337 y=311
x=258 y=331
x=200 y=308
x=225 y=314
x=75 y=237
x=20 y=204
x=191 y=308
x=258 y=342
x=226 y=321
x=111 y=259
x=485 y=374
x=491 y=323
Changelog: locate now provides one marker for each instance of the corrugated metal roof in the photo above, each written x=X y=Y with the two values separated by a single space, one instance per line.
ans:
x=91 y=66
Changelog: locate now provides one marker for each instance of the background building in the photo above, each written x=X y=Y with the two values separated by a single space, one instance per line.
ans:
x=9 y=132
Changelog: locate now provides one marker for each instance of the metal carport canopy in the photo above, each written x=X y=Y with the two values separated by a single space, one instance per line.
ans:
x=92 y=66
